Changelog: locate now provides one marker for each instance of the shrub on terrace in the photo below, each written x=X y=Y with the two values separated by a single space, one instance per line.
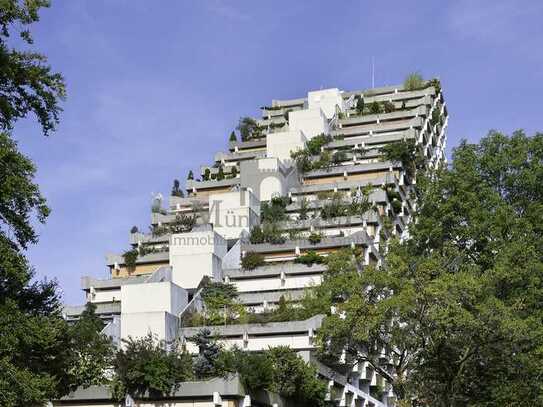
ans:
x=314 y=238
x=234 y=172
x=406 y=153
x=275 y=210
x=183 y=223
x=375 y=108
x=207 y=174
x=359 y=104
x=304 y=209
x=144 y=365
x=190 y=175
x=233 y=136
x=176 y=189
x=134 y=229
x=252 y=260
x=339 y=157
x=220 y=174
x=309 y=258
x=130 y=257
x=413 y=81
x=388 y=107
x=248 y=128
x=221 y=303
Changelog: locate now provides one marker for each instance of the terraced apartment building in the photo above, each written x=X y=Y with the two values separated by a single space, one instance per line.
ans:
x=308 y=178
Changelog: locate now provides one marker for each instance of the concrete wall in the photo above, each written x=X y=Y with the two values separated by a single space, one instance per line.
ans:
x=233 y=213
x=195 y=255
x=280 y=145
x=325 y=99
x=310 y=122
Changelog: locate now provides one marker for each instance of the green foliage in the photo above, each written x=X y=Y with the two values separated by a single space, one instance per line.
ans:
x=375 y=108
x=359 y=104
x=182 y=223
x=388 y=107
x=275 y=210
x=92 y=351
x=407 y=154
x=221 y=304
x=234 y=172
x=233 y=136
x=176 y=189
x=267 y=233
x=190 y=176
x=206 y=363
x=293 y=378
x=436 y=117
x=248 y=129
x=314 y=145
x=309 y=258
x=252 y=260
x=413 y=81
x=339 y=157
x=28 y=84
x=144 y=365
x=207 y=175
x=134 y=229
x=220 y=174
x=458 y=304
x=314 y=238
x=304 y=209
x=337 y=206
x=436 y=83
x=130 y=257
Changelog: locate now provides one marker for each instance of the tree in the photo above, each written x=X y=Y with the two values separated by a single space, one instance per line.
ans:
x=457 y=306
x=176 y=189
x=190 y=176
x=37 y=346
x=144 y=365
x=27 y=83
x=233 y=137
x=92 y=350
x=206 y=363
x=407 y=154
x=248 y=128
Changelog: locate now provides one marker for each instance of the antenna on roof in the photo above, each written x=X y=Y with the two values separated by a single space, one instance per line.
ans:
x=372 y=72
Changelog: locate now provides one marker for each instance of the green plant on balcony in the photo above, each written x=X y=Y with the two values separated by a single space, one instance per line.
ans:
x=388 y=107
x=145 y=366
x=234 y=172
x=302 y=158
x=375 y=108
x=206 y=175
x=413 y=81
x=176 y=189
x=304 y=209
x=252 y=260
x=221 y=304
x=314 y=145
x=309 y=258
x=436 y=83
x=233 y=137
x=134 y=229
x=220 y=174
x=315 y=238
x=406 y=153
x=324 y=161
x=359 y=104
x=339 y=157
x=130 y=257
x=436 y=117
x=190 y=176
x=275 y=210
x=248 y=129
x=183 y=223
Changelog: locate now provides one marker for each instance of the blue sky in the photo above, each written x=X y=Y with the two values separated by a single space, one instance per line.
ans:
x=154 y=89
